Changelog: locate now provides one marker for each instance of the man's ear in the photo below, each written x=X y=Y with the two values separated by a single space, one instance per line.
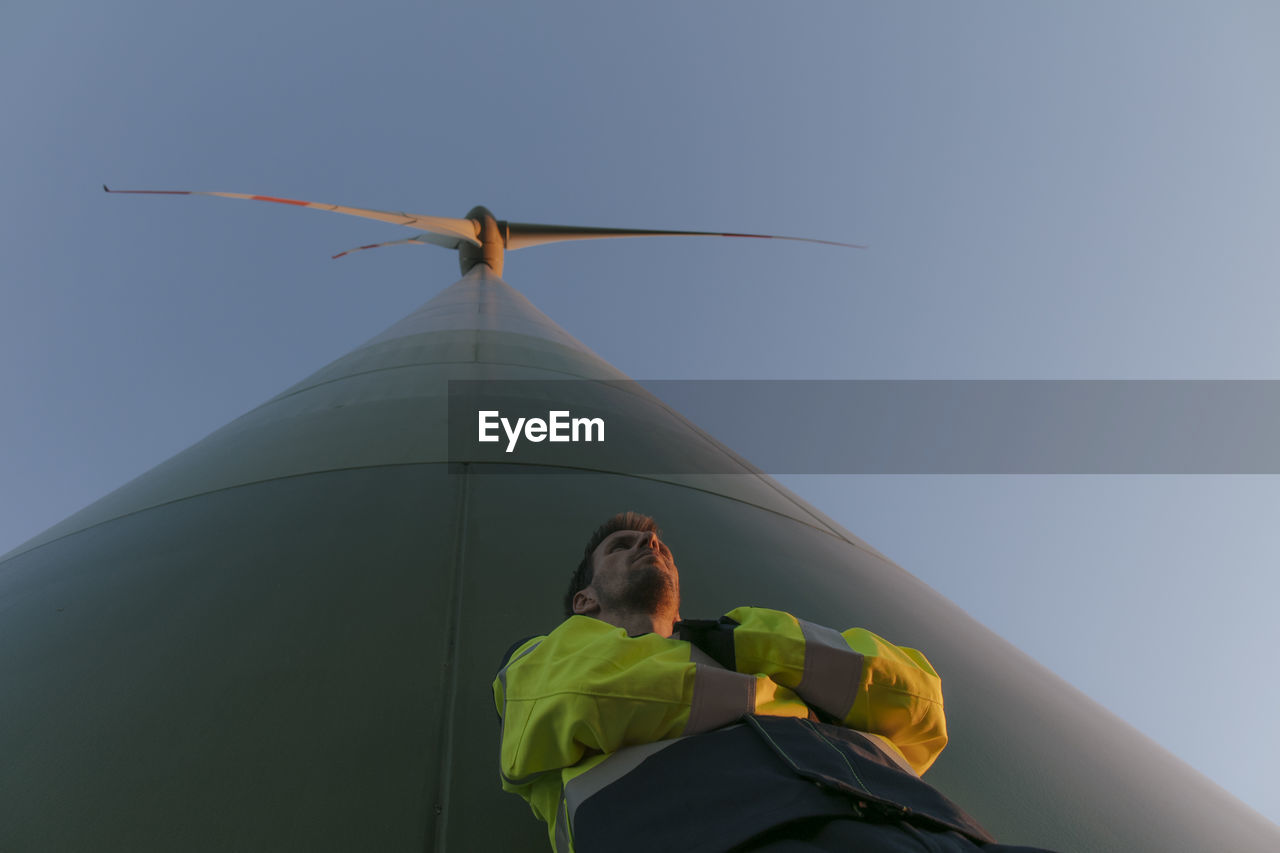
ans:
x=585 y=603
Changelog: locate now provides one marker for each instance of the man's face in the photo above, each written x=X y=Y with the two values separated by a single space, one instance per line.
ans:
x=635 y=573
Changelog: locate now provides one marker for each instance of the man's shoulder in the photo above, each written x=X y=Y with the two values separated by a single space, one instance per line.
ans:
x=517 y=646
x=574 y=635
x=567 y=624
x=506 y=656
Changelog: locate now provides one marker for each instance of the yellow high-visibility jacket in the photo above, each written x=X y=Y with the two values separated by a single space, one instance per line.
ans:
x=573 y=698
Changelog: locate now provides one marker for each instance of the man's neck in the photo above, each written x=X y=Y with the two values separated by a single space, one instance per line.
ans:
x=636 y=624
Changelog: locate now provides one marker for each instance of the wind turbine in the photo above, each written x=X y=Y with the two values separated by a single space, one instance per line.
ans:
x=479 y=237
x=283 y=637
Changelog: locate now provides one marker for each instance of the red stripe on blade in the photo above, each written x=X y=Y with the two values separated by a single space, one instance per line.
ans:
x=280 y=200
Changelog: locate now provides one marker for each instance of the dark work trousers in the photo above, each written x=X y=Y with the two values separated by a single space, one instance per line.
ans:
x=849 y=835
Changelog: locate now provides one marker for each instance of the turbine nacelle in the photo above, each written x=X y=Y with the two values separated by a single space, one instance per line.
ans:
x=492 y=234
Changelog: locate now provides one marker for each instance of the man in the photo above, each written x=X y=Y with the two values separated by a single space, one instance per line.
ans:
x=627 y=729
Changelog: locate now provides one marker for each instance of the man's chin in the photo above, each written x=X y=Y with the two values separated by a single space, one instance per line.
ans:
x=651 y=591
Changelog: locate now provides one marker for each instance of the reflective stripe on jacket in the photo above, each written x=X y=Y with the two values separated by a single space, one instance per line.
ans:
x=571 y=699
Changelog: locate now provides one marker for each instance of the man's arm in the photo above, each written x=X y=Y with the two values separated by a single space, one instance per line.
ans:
x=588 y=688
x=856 y=677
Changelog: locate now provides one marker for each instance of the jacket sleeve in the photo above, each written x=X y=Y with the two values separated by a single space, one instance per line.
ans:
x=855 y=677
x=588 y=688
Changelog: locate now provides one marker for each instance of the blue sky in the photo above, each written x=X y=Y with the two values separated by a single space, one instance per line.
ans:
x=1049 y=191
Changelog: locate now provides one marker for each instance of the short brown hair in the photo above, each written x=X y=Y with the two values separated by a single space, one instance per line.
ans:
x=585 y=573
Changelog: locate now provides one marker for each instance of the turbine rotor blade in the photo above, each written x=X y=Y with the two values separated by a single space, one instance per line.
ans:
x=420 y=239
x=439 y=230
x=523 y=234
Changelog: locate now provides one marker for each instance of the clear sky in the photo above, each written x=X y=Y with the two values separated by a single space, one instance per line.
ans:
x=1049 y=191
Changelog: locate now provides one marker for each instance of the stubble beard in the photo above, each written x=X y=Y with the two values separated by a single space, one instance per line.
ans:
x=650 y=591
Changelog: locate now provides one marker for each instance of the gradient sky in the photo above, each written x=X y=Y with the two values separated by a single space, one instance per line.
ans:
x=1048 y=190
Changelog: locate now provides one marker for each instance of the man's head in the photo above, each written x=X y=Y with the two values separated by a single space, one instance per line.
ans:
x=627 y=577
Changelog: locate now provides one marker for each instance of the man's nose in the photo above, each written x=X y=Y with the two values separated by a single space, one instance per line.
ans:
x=650 y=540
